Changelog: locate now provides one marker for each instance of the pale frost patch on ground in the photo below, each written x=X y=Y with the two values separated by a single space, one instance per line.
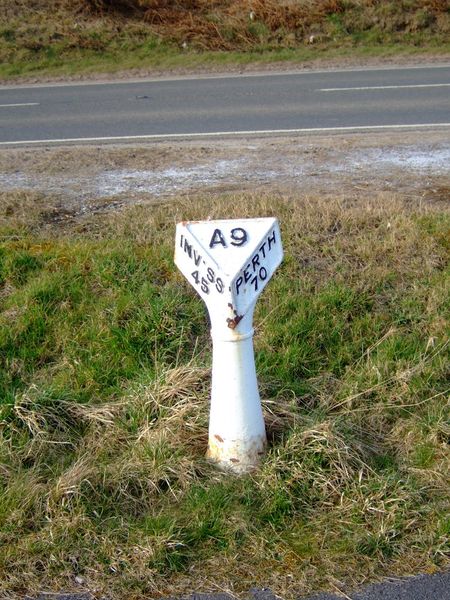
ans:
x=175 y=179
x=159 y=182
x=78 y=176
x=437 y=159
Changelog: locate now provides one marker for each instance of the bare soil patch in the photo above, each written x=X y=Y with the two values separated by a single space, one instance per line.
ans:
x=75 y=182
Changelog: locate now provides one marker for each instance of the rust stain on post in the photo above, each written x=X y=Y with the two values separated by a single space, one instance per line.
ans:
x=229 y=262
x=226 y=454
x=233 y=322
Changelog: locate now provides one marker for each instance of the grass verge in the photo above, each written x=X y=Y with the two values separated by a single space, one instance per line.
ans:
x=169 y=59
x=104 y=382
x=94 y=36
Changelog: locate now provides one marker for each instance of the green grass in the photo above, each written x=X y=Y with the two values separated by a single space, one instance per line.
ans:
x=104 y=386
x=119 y=300
x=169 y=58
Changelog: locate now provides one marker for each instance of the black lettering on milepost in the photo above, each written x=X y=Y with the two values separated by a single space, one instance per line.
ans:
x=217 y=238
x=262 y=249
x=188 y=248
x=238 y=236
x=190 y=251
x=255 y=272
x=271 y=240
x=239 y=282
x=197 y=257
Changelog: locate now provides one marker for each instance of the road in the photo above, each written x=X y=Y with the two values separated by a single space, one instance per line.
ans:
x=422 y=587
x=209 y=106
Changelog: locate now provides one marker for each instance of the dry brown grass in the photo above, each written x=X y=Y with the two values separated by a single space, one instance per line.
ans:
x=47 y=32
x=241 y=24
x=353 y=362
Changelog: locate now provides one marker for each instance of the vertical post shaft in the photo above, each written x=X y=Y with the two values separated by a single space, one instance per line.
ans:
x=237 y=436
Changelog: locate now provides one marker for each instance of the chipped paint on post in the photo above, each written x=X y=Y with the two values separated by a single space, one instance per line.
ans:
x=229 y=263
x=232 y=322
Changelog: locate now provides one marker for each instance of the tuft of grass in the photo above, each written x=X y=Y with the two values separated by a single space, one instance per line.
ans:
x=104 y=390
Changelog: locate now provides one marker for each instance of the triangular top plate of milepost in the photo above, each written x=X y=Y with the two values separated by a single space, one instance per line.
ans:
x=229 y=262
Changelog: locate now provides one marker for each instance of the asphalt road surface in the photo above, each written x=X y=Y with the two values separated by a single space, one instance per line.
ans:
x=346 y=100
x=423 y=587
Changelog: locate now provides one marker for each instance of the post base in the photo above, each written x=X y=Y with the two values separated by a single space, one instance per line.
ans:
x=236 y=455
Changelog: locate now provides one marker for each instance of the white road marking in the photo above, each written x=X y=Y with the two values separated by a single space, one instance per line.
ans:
x=20 y=104
x=171 y=136
x=384 y=87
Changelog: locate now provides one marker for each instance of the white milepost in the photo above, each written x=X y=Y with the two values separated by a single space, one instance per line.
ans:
x=229 y=263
